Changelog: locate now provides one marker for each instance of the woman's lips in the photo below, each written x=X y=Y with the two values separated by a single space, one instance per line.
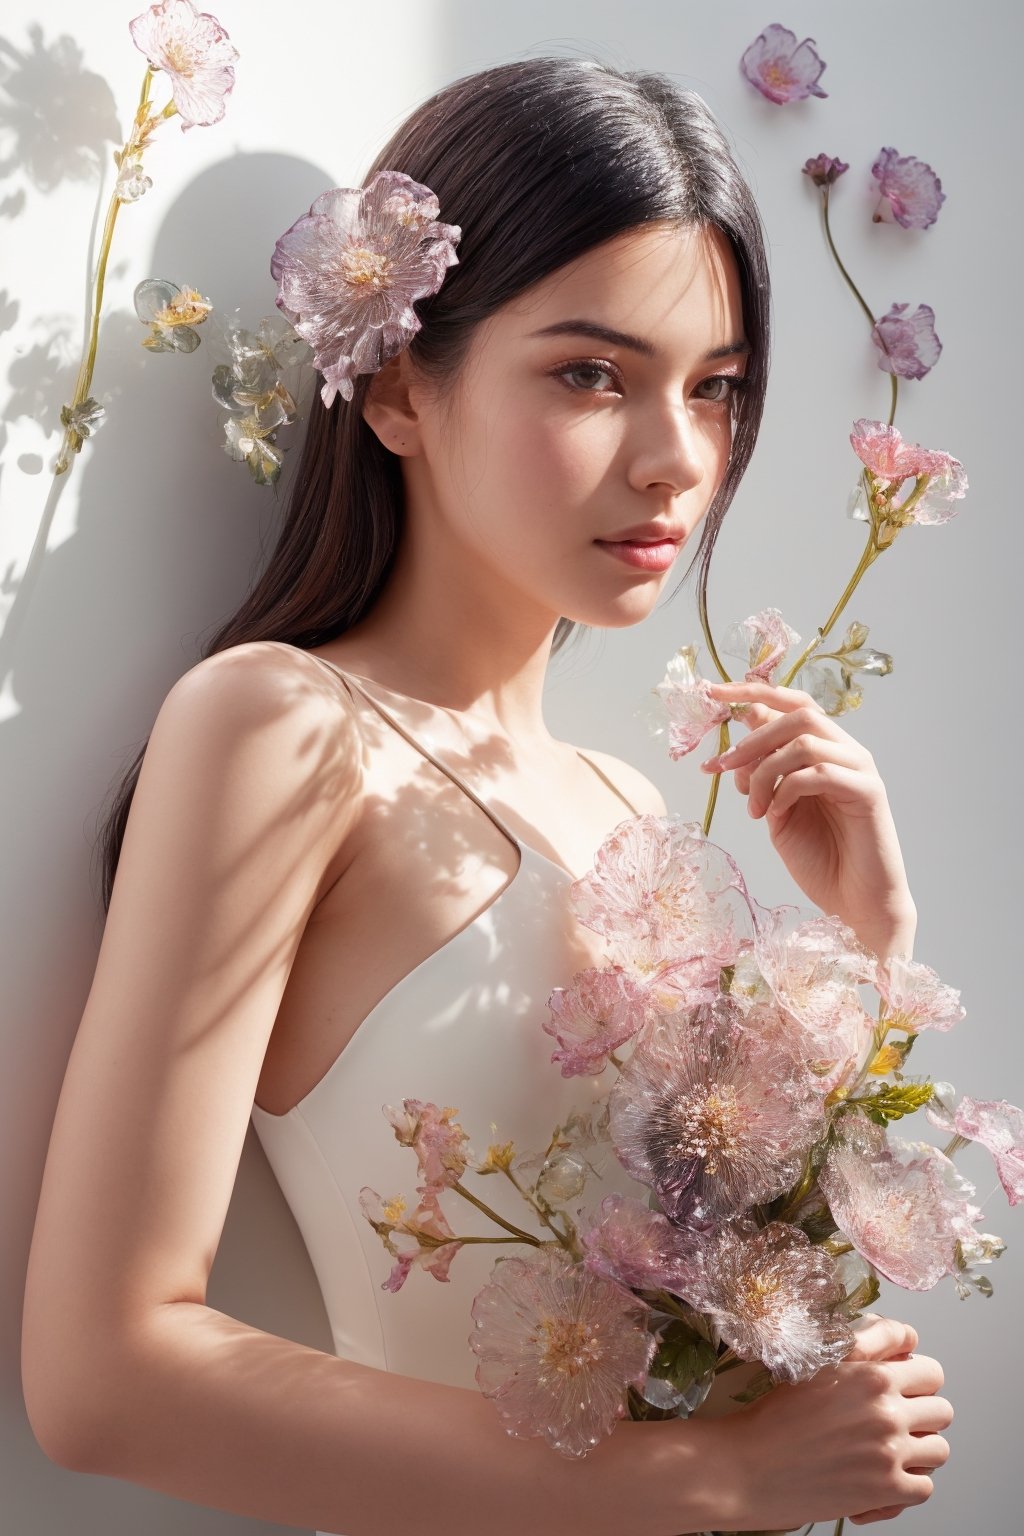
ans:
x=647 y=557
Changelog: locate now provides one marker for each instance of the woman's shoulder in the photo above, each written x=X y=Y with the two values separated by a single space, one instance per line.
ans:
x=636 y=786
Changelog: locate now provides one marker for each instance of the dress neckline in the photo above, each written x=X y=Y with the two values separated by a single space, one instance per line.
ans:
x=526 y=851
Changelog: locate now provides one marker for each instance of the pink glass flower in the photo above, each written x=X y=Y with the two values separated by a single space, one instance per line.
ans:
x=815 y=971
x=691 y=708
x=712 y=1116
x=781 y=68
x=350 y=270
x=762 y=641
x=441 y=1145
x=601 y=1009
x=633 y=1245
x=824 y=170
x=558 y=1347
x=424 y=1239
x=891 y=460
x=773 y=1296
x=911 y=193
x=914 y=996
x=907 y=344
x=196 y=53
x=673 y=906
x=903 y=1205
x=999 y=1126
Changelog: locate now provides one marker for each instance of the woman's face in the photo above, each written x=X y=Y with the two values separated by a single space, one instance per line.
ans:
x=556 y=440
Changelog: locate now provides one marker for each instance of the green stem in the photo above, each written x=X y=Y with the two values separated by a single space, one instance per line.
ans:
x=508 y=1225
x=870 y=555
x=955 y=1144
x=859 y=297
x=839 y=1526
x=72 y=441
x=543 y=1213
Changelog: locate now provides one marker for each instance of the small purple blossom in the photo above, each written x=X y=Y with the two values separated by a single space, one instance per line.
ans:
x=907 y=344
x=911 y=193
x=824 y=170
x=780 y=68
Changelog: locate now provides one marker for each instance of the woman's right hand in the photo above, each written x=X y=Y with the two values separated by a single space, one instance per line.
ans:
x=867 y=1432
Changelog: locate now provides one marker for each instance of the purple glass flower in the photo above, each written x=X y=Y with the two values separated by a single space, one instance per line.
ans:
x=824 y=170
x=781 y=68
x=350 y=270
x=911 y=193
x=907 y=344
x=713 y=1116
x=773 y=1296
x=196 y=53
x=633 y=1245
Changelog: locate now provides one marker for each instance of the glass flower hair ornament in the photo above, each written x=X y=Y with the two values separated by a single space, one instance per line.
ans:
x=349 y=271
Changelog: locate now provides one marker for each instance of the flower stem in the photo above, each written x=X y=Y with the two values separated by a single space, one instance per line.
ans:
x=870 y=555
x=955 y=1144
x=860 y=299
x=72 y=441
x=482 y=1206
x=543 y=1214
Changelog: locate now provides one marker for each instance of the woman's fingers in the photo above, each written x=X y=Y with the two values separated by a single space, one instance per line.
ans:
x=882 y=1338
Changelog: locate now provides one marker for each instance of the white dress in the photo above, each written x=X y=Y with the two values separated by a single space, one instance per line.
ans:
x=462 y=1028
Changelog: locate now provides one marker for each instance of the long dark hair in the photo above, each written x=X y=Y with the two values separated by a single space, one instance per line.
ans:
x=537 y=161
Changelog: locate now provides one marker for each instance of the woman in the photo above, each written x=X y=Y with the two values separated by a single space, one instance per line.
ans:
x=343 y=879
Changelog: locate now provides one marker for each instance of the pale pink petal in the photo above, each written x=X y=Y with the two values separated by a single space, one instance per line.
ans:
x=761 y=642
x=772 y=1295
x=633 y=1245
x=689 y=706
x=558 y=1347
x=780 y=68
x=907 y=344
x=999 y=1126
x=914 y=996
x=903 y=1205
x=196 y=53
x=441 y=1145
x=601 y=1009
x=350 y=270
x=910 y=190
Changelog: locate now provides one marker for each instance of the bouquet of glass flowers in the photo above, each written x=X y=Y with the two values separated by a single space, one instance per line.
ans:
x=760 y=1058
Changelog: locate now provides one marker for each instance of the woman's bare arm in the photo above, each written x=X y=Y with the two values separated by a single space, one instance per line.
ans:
x=250 y=783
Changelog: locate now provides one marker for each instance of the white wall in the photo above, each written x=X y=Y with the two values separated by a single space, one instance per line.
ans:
x=155 y=537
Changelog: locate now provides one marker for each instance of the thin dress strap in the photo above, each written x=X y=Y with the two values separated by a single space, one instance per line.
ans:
x=451 y=774
x=421 y=747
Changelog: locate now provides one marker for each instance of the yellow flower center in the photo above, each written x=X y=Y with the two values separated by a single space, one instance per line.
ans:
x=365 y=268
x=180 y=59
x=709 y=1121
x=756 y=1293
x=570 y=1346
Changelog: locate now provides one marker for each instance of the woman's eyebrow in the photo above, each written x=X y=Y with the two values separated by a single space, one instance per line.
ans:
x=634 y=343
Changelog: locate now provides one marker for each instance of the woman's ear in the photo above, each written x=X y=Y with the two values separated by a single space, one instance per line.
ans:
x=388 y=408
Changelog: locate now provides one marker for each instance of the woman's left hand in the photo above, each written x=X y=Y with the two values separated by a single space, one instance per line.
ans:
x=829 y=816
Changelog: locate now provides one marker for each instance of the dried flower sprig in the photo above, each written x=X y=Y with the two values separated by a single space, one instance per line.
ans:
x=195 y=53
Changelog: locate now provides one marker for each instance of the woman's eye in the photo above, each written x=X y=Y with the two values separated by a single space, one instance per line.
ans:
x=585 y=368
x=732 y=384
x=729 y=385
